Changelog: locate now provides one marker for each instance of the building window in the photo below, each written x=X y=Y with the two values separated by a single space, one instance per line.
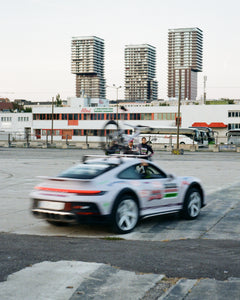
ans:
x=234 y=114
x=77 y=132
x=6 y=119
x=233 y=126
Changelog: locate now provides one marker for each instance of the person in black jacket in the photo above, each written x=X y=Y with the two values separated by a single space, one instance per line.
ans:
x=131 y=148
x=114 y=148
x=144 y=148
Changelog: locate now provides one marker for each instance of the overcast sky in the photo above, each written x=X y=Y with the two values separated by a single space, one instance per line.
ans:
x=35 y=49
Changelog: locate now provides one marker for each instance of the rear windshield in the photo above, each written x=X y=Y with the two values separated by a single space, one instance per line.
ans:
x=86 y=171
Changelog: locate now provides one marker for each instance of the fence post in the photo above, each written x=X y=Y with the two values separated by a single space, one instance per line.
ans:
x=28 y=144
x=9 y=140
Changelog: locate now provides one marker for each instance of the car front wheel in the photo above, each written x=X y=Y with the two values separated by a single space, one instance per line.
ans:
x=125 y=214
x=192 y=204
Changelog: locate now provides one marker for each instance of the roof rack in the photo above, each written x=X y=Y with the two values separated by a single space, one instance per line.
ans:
x=130 y=155
x=86 y=157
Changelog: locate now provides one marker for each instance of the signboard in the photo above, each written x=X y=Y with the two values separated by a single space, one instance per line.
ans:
x=103 y=109
x=228 y=147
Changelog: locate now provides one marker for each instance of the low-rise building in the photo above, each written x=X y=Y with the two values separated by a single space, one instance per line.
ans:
x=85 y=118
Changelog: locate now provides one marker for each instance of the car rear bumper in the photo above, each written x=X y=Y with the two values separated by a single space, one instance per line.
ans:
x=70 y=217
x=52 y=215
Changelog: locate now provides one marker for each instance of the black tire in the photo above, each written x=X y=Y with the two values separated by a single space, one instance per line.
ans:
x=125 y=214
x=56 y=223
x=192 y=204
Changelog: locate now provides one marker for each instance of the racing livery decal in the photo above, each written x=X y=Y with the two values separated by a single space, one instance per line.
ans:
x=157 y=194
x=184 y=182
x=171 y=190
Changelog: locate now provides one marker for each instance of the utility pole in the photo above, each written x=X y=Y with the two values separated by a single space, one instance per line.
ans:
x=204 y=91
x=52 y=120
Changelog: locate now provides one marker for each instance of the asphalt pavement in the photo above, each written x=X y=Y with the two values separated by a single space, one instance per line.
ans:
x=164 y=258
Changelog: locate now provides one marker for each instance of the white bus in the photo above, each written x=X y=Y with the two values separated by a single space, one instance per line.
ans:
x=233 y=136
x=168 y=136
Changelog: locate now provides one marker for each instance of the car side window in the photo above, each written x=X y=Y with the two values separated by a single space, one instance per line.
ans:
x=130 y=173
x=149 y=171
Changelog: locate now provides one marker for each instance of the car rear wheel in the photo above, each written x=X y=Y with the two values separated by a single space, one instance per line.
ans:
x=125 y=214
x=192 y=204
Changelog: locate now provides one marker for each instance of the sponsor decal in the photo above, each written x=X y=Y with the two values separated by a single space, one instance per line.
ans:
x=171 y=190
x=170 y=195
x=85 y=110
x=170 y=185
x=144 y=193
x=155 y=195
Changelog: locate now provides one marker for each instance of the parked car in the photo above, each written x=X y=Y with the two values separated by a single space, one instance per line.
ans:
x=116 y=189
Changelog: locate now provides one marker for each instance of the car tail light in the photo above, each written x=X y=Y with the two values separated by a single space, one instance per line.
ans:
x=80 y=206
x=68 y=206
x=79 y=192
x=87 y=213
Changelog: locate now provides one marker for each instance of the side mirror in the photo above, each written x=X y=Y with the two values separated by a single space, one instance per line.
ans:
x=170 y=176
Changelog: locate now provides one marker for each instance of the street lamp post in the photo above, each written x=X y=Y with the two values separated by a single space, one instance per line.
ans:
x=52 y=120
x=117 y=88
x=177 y=150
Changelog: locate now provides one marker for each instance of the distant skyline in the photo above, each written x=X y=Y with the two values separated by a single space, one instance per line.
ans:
x=35 y=52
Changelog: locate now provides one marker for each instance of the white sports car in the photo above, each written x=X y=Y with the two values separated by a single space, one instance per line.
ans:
x=117 y=189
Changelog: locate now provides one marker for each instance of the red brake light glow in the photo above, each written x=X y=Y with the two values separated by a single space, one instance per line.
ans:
x=83 y=192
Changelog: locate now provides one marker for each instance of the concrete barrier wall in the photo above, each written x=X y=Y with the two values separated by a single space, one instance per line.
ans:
x=97 y=145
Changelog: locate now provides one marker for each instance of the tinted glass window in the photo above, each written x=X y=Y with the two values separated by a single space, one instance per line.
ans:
x=151 y=172
x=142 y=171
x=130 y=173
x=86 y=171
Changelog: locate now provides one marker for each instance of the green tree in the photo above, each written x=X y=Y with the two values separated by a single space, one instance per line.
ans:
x=58 y=100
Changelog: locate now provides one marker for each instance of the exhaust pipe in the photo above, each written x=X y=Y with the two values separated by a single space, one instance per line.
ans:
x=55 y=216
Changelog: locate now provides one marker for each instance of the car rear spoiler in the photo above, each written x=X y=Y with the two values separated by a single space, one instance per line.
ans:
x=62 y=178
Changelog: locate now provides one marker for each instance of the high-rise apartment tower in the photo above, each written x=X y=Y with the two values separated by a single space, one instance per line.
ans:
x=140 y=72
x=88 y=65
x=184 y=62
